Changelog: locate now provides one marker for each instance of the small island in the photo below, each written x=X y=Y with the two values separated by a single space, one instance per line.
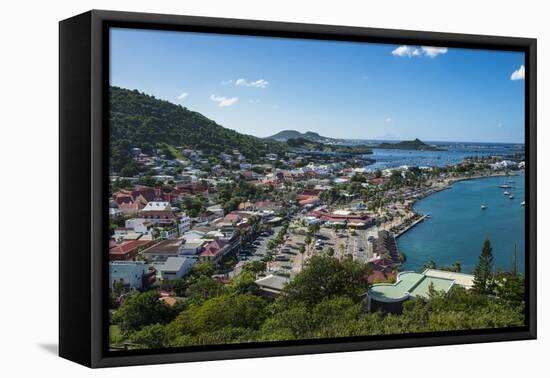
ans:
x=309 y=145
x=415 y=144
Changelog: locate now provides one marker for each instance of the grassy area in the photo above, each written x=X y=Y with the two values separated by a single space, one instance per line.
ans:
x=115 y=335
x=175 y=152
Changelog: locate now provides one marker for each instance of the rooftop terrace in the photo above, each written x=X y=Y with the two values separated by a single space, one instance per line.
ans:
x=411 y=284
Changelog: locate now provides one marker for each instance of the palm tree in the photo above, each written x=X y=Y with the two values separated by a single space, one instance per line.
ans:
x=430 y=265
x=302 y=251
x=457 y=267
x=307 y=240
x=342 y=249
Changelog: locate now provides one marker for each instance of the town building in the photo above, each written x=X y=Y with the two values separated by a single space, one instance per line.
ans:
x=271 y=286
x=176 y=267
x=160 y=252
x=127 y=250
x=133 y=274
x=390 y=297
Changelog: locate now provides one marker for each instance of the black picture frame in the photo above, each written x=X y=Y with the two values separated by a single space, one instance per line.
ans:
x=83 y=116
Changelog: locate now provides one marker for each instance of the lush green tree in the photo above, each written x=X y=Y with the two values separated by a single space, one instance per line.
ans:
x=402 y=257
x=178 y=286
x=457 y=267
x=255 y=267
x=430 y=265
x=141 y=309
x=237 y=311
x=203 y=268
x=203 y=288
x=152 y=336
x=511 y=288
x=244 y=283
x=324 y=277
x=483 y=273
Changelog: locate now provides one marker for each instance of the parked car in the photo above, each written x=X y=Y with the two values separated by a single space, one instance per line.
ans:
x=282 y=258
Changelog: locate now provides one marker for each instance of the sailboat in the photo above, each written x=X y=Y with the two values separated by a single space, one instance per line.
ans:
x=506 y=193
x=523 y=203
x=483 y=206
x=511 y=196
x=505 y=185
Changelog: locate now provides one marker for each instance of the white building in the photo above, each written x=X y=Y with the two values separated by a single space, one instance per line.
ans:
x=184 y=224
x=157 y=206
x=130 y=273
x=176 y=267
x=192 y=248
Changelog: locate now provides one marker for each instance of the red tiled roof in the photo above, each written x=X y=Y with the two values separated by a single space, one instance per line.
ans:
x=215 y=248
x=128 y=246
x=310 y=200
x=170 y=301
x=263 y=204
x=232 y=218
x=311 y=192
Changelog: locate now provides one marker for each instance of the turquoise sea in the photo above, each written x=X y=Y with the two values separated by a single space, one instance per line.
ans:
x=458 y=226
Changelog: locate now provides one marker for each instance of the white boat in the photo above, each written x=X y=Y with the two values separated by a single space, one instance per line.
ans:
x=506 y=193
x=523 y=203
x=505 y=186
x=483 y=207
x=511 y=196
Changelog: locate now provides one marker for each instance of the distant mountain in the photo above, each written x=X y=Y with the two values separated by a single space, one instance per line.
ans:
x=283 y=136
x=141 y=120
x=415 y=144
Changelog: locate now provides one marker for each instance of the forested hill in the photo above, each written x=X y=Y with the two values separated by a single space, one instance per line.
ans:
x=140 y=120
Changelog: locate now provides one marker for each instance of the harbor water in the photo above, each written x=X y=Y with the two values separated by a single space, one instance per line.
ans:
x=457 y=225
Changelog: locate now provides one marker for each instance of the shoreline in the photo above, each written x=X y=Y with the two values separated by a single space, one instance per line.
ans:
x=447 y=184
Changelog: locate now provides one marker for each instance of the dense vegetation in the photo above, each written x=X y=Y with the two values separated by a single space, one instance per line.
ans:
x=306 y=144
x=140 y=120
x=324 y=300
x=285 y=135
x=415 y=144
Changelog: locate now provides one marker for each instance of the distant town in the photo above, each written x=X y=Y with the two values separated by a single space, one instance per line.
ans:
x=191 y=226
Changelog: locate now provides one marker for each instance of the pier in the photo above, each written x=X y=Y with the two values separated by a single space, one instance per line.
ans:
x=413 y=224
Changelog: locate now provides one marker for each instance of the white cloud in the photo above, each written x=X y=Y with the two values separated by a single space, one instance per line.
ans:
x=261 y=83
x=518 y=74
x=406 y=51
x=432 y=52
x=183 y=95
x=411 y=51
x=224 y=101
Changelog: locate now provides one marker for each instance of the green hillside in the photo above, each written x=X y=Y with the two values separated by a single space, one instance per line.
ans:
x=140 y=120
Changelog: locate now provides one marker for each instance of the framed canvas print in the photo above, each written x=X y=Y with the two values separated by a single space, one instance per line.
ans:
x=234 y=188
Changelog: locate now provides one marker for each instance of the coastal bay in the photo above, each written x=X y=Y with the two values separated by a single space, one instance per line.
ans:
x=458 y=226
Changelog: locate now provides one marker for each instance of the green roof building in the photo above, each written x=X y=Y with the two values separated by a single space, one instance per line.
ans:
x=390 y=297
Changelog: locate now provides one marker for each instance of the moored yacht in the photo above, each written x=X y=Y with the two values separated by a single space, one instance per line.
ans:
x=483 y=206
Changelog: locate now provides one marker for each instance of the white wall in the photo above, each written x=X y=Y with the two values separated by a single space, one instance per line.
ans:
x=28 y=149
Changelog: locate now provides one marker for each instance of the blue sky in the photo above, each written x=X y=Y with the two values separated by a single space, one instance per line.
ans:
x=260 y=86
